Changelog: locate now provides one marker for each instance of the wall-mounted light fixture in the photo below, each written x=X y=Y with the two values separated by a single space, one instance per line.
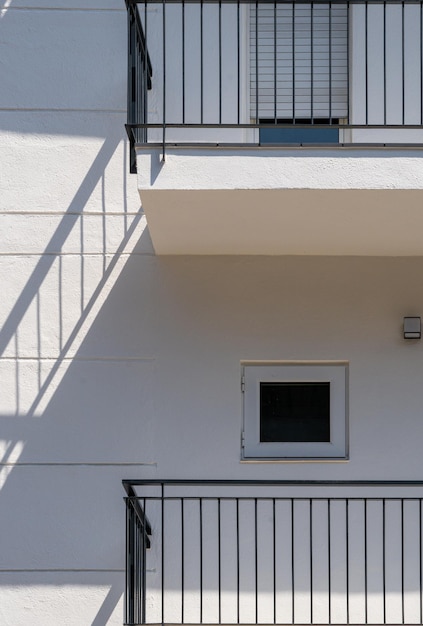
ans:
x=412 y=328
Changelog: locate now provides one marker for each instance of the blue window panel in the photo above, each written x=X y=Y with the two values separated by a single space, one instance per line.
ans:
x=315 y=134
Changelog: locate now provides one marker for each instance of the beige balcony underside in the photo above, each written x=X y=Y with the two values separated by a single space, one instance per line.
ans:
x=254 y=212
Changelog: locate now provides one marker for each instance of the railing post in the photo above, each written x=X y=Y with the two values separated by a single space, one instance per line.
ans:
x=129 y=565
x=131 y=87
x=137 y=542
x=139 y=80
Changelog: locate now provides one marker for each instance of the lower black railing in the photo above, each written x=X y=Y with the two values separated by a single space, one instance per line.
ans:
x=234 y=552
x=138 y=531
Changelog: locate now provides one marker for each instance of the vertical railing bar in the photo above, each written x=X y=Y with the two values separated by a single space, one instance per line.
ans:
x=201 y=560
x=129 y=74
x=137 y=79
x=140 y=568
x=311 y=62
x=330 y=62
x=127 y=565
x=275 y=66
x=237 y=560
x=130 y=553
x=137 y=569
x=131 y=87
x=402 y=561
x=182 y=561
x=403 y=60
x=219 y=558
x=365 y=561
x=293 y=63
x=238 y=60
x=134 y=566
x=274 y=561
x=144 y=568
x=420 y=556
x=162 y=547
x=135 y=577
x=164 y=77
x=329 y=566
x=384 y=558
x=257 y=62
x=140 y=88
x=384 y=62
x=366 y=54
x=348 y=62
x=134 y=79
x=292 y=561
x=220 y=61
x=137 y=100
x=256 y=556
x=311 y=559
x=421 y=67
x=201 y=62
x=347 y=557
x=141 y=574
x=183 y=61
x=145 y=116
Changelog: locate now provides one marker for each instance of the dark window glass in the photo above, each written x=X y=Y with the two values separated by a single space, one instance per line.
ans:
x=320 y=131
x=291 y=412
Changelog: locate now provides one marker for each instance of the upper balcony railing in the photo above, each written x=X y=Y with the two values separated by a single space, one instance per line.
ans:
x=302 y=72
x=275 y=552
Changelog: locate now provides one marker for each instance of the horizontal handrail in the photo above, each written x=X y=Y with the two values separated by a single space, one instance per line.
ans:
x=143 y=520
x=272 y=2
x=275 y=483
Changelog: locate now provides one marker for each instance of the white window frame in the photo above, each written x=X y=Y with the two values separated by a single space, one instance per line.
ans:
x=334 y=372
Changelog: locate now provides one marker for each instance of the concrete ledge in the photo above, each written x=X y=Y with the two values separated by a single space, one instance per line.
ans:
x=283 y=202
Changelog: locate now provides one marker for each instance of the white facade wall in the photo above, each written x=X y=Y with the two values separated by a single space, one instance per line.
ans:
x=116 y=363
x=67 y=207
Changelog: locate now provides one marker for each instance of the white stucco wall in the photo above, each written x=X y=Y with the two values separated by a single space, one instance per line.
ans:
x=118 y=364
x=63 y=154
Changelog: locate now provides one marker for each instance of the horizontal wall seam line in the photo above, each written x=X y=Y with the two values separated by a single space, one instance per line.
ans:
x=63 y=9
x=76 y=254
x=58 y=110
x=77 y=213
x=88 y=464
x=69 y=359
x=59 y=569
x=53 y=213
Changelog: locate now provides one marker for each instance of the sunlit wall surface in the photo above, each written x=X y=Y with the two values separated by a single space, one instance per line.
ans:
x=116 y=363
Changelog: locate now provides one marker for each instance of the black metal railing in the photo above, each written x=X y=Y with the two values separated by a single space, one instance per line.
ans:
x=243 y=72
x=275 y=552
x=138 y=532
x=140 y=74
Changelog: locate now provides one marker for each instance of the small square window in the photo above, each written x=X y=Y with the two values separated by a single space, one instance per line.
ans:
x=295 y=411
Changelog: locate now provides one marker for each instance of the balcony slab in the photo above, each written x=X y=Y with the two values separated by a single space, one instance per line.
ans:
x=255 y=201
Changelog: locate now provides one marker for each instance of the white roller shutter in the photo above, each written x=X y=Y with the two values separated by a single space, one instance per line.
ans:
x=302 y=55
